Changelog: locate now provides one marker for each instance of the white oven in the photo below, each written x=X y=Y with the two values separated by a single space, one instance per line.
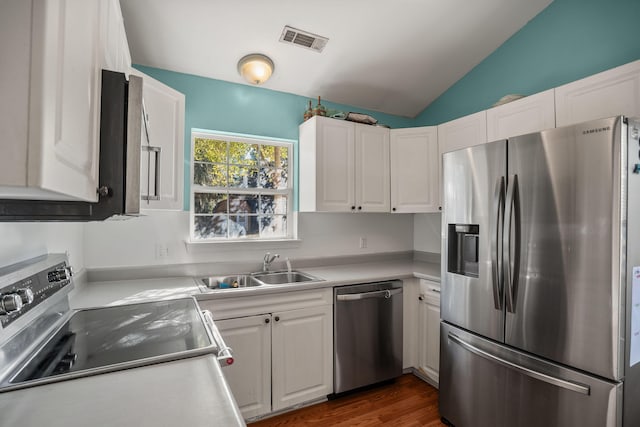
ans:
x=149 y=356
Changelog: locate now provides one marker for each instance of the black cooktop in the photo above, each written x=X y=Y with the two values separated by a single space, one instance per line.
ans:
x=108 y=337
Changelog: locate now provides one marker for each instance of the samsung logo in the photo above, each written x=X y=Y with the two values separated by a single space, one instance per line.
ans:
x=596 y=130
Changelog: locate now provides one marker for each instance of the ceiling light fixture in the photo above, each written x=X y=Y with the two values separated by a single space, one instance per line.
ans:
x=255 y=68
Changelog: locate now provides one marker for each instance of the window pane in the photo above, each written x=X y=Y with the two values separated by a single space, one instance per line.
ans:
x=243 y=203
x=209 y=227
x=209 y=203
x=273 y=178
x=210 y=150
x=273 y=226
x=244 y=226
x=210 y=175
x=273 y=204
x=274 y=156
x=241 y=177
x=243 y=154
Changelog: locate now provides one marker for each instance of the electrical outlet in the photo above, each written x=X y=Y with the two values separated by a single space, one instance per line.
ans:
x=363 y=242
x=162 y=251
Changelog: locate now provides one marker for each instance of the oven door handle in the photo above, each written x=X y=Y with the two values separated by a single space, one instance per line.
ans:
x=224 y=353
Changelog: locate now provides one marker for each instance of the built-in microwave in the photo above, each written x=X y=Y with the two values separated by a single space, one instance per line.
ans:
x=119 y=166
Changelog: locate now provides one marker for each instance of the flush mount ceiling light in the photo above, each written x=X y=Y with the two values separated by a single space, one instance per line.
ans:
x=255 y=68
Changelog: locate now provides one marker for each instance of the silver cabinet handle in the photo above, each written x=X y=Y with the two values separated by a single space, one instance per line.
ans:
x=224 y=353
x=157 y=151
x=578 y=388
x=496 y=265
x=388 y=293
x=512 y=212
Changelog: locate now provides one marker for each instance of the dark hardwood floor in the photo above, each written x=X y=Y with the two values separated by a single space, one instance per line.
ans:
x=408 y=401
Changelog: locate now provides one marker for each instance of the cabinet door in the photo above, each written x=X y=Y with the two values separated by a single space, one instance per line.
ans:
x=64 y=99
x=302 y=364
x=429 y=339
x=410 y=330
x=610 y=93
x=249 y=377
x=164 y=107
x=115 y=50
x=527 y=115
x=372 y=169
x=335 y=153
x=415 y=176
x=464 y=132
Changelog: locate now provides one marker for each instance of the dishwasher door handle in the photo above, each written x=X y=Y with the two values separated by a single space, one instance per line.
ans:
x=387 y=293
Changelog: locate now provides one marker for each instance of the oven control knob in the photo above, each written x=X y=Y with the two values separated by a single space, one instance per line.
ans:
x=26 y=295
x=10 y=303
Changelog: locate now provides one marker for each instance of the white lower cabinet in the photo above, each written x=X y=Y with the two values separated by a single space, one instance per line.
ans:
x=302 y=356
x=429 y=330
x=282 y=348
x=250 y=374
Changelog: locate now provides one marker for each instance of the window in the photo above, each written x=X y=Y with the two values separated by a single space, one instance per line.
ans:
x=241 y=188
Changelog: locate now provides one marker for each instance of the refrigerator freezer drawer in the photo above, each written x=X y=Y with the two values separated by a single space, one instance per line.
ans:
x=486 y=384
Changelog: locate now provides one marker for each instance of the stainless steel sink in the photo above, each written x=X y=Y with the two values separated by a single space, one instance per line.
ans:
x=230 y=282
x=284 y=277
x=248 y=280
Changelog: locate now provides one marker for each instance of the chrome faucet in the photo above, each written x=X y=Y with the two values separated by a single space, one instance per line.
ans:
x=267 y=260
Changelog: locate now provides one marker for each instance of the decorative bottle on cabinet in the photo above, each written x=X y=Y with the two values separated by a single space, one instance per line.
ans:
x=319 y=110
x=308 y=112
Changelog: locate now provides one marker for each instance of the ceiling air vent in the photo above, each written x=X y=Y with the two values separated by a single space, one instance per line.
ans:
x=303 y=39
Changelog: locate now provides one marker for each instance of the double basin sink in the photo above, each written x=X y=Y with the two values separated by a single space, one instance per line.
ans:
x=237 y=281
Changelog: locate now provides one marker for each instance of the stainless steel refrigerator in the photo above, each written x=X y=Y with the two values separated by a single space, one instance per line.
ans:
x=540 y=291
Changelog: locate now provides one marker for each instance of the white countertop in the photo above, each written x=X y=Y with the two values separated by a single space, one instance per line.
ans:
x=96 y=294
x=187 y=392
x=128 y=291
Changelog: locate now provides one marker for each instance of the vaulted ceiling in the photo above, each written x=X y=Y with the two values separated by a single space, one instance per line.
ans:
x=392 y=56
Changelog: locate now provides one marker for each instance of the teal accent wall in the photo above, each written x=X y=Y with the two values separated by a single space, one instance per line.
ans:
x=237 y=108
x=567 y=41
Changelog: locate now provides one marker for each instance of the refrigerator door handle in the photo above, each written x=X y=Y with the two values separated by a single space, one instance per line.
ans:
x=511 y=266
x=558 y=382
x=496 y=262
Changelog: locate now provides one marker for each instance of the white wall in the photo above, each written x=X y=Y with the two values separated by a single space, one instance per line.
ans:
x=426 y=232
x=134 y=242
x=22 y=241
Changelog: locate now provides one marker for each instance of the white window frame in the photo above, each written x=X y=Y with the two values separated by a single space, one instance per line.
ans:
x=289 y=191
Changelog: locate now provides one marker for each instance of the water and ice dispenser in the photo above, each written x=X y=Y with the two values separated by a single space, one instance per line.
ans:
x=463 y=249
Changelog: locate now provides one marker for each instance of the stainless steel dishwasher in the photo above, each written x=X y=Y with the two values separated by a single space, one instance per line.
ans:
x=367 y=334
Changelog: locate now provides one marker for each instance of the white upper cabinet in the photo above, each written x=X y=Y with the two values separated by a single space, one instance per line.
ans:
x=529 y=114
x=115 y=48
x=372 y=169
x=610 y=93
x=464 y=132
x=344 y=166
x=162 y=166
x=415 y=173
x=51 y=92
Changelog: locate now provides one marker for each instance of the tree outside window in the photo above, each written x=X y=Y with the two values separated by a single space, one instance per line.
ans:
x=241 y=188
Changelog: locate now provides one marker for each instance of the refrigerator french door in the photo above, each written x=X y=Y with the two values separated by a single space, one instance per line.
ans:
x=537 y=263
